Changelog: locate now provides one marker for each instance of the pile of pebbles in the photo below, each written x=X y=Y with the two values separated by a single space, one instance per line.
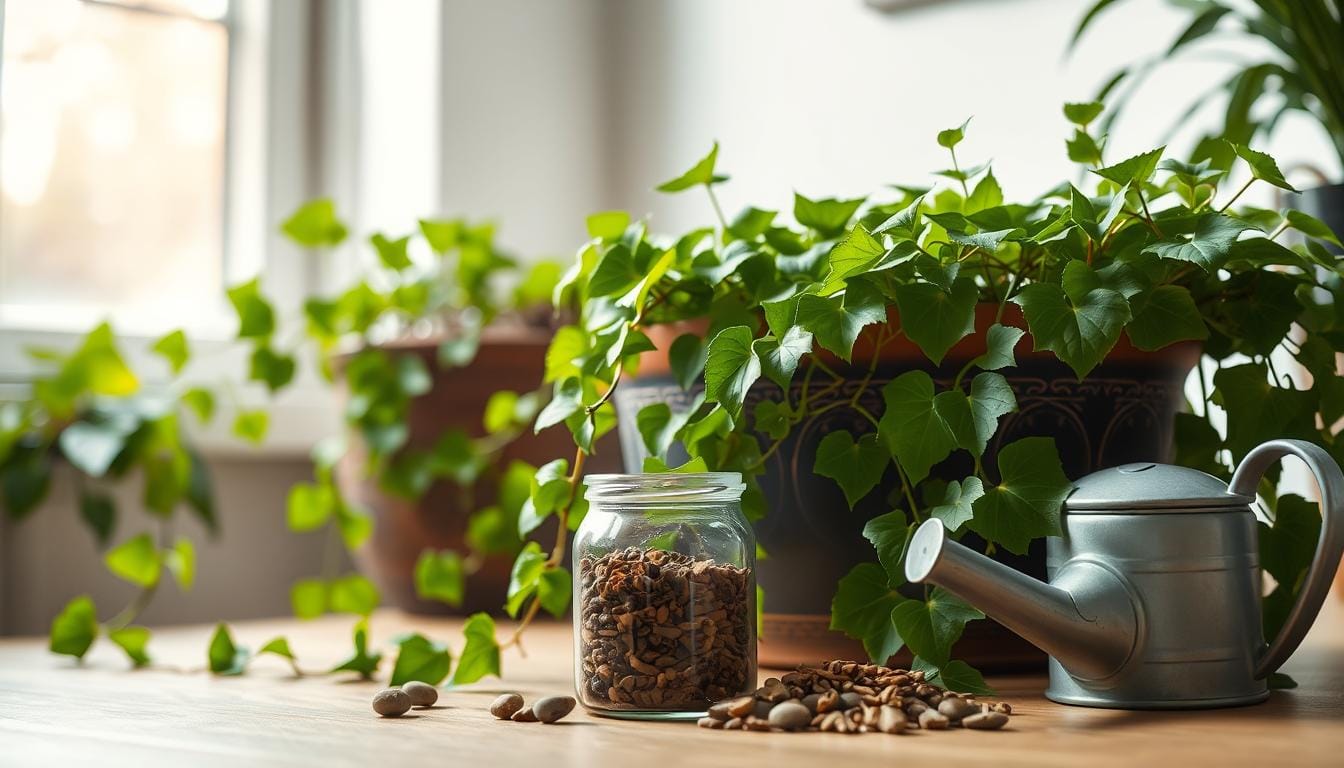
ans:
x=851 y=697
x=510 y=706
x=395 y=702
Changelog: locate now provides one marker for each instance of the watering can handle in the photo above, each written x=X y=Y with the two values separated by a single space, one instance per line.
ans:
x=1329 y=548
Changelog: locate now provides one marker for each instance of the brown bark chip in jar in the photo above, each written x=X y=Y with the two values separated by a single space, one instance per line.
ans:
x=661 y=630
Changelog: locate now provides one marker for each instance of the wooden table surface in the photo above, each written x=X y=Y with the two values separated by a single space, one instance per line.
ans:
x=56 y=712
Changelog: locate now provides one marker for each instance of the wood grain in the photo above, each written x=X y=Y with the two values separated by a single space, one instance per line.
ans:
x=55 y=712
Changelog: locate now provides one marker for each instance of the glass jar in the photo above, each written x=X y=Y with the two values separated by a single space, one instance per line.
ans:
x=665 y=586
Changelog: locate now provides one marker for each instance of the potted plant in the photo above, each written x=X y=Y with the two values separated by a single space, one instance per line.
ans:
x=435 y=358
x=1298 y=74
x=774 y=318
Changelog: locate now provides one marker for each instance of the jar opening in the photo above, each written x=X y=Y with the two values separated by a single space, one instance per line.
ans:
x=665 y=487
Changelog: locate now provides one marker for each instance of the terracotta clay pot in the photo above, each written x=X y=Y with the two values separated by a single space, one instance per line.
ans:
x=1122 y=412
x=509 y=358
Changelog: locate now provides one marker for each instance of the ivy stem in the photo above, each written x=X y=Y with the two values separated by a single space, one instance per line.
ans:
x=1244 y=187
x=909 y=496
x=718 y=212
x=142 y=598
x=1147 y=216
x=965 y=192
x=1279 y=230
x=557 y=551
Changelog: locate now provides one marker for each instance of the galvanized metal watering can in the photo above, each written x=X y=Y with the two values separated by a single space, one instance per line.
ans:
x=1154 y=593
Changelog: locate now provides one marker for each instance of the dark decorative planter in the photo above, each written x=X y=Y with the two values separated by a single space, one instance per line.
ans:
x=1122 y=412
x=1327 y=204
x=509 y=358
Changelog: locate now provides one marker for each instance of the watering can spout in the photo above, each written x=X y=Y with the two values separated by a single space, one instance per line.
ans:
x=1086 y=619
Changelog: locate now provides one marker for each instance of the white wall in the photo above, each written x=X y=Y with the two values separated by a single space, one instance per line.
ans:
x=831 y=97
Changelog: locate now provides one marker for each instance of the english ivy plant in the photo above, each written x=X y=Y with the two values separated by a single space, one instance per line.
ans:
x=87 y=417
x=1149 y=247
x=442 y=281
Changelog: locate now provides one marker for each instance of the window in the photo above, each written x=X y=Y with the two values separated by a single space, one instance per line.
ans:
x=113 y=157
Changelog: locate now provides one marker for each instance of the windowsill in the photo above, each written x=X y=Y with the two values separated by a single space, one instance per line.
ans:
x=300 y=416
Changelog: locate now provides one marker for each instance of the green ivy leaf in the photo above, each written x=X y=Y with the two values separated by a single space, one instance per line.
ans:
x=309 y=507
x=133 y=641
x=353 y=594
x=355 y=525
x=616 y=272
x=772 y=418
x=1000 y=342
x=779 y=357
x=201 y=402
x=99 y=512
x=1256 y=408
x=857 y=253
x=954 y=676
x=440 y=576
x=1025 y=504
x=480 y=655
x=608 y=225
x=1263 y=167
x=251 y=426
x=1133 y=170
x=567 y=346
x=654 y=465
x=315 y=224
x=700 y=173
x=987 y=194
x=751 y=223
x=1165 y=315
x=731 y=368
x=392 y=253
x=1080 y=330
x=527 y=568
x=687 y=356
x=856 y=466
x=917 y=434
x=256 y=318
x=92 y=446
x=959 y=499
x=442 y=235
x=75 y=628
x=1312 y=227
x=905 y=223
x=1207 y=247
x=273 y=369
x=136 y=560
x=279 y=646
x=890 y=535
x=991 y=398
x=224 y=657
x=24 y=481
x=362 y=661
x=953 y=136
x=828 y=217
x=658 y=425
x=308 y=598
x=554 y=588
x=1083 y=114
x=936 y=319
x=173 y=348
x=420 y=659
x=862 y=609
x=835 y=321
x=566 y=401
x=180 y=561
x=1288 y=546
x=930 y=627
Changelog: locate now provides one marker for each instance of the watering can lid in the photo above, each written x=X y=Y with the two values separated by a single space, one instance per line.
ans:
x=1152 y=487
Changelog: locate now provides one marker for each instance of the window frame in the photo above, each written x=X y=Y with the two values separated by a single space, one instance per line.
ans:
x=269 y=170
